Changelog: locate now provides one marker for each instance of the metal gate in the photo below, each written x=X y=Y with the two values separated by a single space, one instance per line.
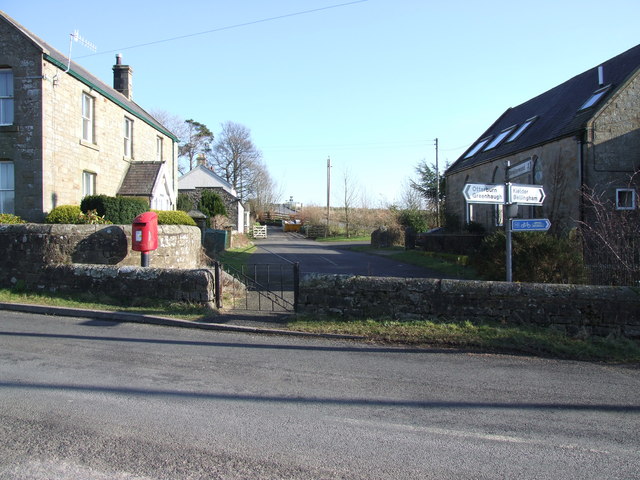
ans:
x=258 y=287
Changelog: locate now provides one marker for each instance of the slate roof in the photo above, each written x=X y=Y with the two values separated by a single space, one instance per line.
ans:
x=78 y=72
x=557 y=113
x=140 y=179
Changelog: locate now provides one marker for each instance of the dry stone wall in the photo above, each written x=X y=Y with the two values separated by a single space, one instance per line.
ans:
x=574 y=309
x=29 y=248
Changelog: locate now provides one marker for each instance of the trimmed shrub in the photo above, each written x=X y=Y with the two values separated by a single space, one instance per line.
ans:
x=64 y=214
x=537 y=257
x=9 y=218
x=118 y=210
x=174 y=217
x=71 y=214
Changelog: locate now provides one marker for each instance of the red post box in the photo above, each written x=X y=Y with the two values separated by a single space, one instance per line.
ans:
x=144 y=235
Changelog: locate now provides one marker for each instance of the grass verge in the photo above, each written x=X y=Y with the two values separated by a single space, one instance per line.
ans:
x=485 y=336
x=446 y=264
x=236 y=257
x=91 y=301
x=488 y=337
x=344 y=238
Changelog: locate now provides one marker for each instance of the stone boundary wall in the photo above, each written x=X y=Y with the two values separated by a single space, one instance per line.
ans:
x=27 y=248
x=574 y=309
x=173 y=284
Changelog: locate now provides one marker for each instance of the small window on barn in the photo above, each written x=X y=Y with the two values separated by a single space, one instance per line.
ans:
x=625 y=199
x=595 y=97
x=478 y=146
x=499 y=138
x=521 y=129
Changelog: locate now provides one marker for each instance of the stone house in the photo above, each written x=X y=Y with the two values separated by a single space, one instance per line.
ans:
x=202 y=178
x=65 y=134
x=584 y=133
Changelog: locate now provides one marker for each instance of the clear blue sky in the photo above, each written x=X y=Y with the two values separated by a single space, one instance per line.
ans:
x=370 y=84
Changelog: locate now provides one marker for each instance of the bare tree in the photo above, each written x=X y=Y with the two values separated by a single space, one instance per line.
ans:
x=611 y=236
x=265 y=191
x=174 y=123
x=350 y=196
x=410 y=197
x=237 y=159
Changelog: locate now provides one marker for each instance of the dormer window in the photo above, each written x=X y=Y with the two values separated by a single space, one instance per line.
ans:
x=478 y=146
x=499 y=138
x=521 y=129
x=595 y=97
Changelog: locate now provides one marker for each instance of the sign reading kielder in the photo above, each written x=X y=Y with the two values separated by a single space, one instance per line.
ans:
x=526 y=194
x=483 y=193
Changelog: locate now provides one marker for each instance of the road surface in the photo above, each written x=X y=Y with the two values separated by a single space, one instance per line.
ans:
x=86 y=399
x=330 y=257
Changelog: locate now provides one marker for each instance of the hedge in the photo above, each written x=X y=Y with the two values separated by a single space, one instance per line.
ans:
x=174 y=217
x=117 y=210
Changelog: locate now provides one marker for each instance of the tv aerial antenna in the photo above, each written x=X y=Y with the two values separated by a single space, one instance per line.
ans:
x=77 y=38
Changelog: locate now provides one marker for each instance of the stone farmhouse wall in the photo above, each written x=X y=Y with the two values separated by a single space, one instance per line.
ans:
x=613 y=141
x=574 y=309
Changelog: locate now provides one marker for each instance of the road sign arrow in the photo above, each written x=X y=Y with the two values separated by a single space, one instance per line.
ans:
x=483 y=193
x=526 y=194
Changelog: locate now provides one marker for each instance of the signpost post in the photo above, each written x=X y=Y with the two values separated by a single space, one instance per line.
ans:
x=510 y=195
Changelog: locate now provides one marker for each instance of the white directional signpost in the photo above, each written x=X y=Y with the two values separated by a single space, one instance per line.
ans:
x=508 y=194
x=526 y=194
x=484 y=193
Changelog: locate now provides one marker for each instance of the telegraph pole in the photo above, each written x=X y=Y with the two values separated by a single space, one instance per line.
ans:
x=437 y=188
x=326 y=233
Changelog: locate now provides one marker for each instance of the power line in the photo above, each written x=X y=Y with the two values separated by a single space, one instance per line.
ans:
x=228 y=27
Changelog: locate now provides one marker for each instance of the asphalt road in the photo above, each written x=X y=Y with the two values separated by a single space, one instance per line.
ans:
x=87 y=399
x=330 y=257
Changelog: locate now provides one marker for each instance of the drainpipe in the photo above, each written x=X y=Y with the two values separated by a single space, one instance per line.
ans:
x=580 y=175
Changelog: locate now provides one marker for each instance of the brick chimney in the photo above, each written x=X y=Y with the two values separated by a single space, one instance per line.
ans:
x=122 y=78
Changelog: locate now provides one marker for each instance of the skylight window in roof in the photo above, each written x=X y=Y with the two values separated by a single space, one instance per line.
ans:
x=478 y=146
x=499 y=138
x=595 y=97
x=521 y=129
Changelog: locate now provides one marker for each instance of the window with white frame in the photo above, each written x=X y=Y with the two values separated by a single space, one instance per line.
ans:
x=6 y=96
x=128 y=138
x=471 y=217
x=88 y=183
x=7 y=187
x=88 y=103
x=159 y=149
x=625 y=199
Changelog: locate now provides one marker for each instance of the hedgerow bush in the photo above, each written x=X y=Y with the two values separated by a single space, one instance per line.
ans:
x=118 y=210
x=64 y=214
x=537 y=257
x=71 y=214
x=9 y=218
x=174 y=217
